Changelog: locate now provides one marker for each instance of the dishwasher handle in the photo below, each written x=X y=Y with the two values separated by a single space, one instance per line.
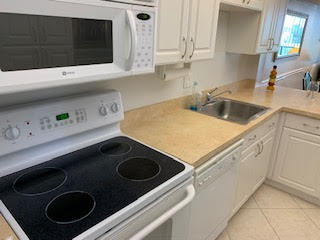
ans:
x=190 y=193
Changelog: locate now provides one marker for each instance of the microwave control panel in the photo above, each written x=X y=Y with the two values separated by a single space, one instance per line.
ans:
x=145 y=26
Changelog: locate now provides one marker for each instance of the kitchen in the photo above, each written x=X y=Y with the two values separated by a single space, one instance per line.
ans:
x=172 y=173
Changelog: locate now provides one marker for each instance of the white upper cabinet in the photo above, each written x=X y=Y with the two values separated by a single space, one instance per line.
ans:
x=186 y=30
x=202 y=29
x=251 y=4
x=278 y=26
x=255 y=32
x=172 y=31
x=271 y=25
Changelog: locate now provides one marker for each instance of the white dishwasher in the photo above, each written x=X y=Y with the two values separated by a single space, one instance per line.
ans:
x=215 y=188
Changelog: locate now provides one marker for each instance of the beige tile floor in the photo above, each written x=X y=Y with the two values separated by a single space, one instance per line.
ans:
x=271 y=214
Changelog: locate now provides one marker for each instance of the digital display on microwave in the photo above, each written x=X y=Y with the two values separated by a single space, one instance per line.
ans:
x=35 y=42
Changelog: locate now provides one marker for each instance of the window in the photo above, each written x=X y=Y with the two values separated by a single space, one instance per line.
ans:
x=292 y=34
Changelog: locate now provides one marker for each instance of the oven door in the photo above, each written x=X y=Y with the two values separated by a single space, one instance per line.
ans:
x=45 y=43
x=167 y=218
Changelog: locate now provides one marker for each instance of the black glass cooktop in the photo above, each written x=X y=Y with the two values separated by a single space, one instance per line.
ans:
x=66 y=196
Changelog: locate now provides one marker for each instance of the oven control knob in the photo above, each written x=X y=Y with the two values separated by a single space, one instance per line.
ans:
x=12 y=133
x=103 y=111
x=114 y=108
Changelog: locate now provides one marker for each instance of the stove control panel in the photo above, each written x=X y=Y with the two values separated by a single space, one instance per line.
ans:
x=31 y=125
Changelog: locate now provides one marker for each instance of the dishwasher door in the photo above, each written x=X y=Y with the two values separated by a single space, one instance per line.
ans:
x=212 y=206
x=215 y=186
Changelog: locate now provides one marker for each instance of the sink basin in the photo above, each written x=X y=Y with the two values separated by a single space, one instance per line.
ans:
x=231 y=110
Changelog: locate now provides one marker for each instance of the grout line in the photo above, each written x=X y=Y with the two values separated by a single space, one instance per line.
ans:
x=275 y=232
x=294 y=199
x=226 y=230
x=310 y=217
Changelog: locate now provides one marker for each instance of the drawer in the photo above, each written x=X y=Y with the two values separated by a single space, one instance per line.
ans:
x=260 y=131
x=306 y=124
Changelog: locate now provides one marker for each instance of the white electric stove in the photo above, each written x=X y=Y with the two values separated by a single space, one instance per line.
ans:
x=67 y=172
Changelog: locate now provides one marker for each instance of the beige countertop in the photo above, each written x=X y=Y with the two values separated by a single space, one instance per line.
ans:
x=195 y=138
x=6 y=232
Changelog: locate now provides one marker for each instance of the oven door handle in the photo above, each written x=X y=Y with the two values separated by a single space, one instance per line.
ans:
x=190 y=193
x=134 y=39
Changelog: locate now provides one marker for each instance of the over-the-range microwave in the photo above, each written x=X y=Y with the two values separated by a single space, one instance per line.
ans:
x=48 y=43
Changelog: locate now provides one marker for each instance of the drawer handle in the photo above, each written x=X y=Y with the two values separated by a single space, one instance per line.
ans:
x=252 y=138
x=307 y=125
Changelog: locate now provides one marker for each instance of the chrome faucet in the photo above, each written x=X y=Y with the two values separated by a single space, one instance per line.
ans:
x=211 y=98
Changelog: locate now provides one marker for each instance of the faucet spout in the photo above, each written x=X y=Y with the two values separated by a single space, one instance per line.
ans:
x=211 y=98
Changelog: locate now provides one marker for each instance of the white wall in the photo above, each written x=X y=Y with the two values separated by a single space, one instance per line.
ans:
x=310 y=51
x=145 y=90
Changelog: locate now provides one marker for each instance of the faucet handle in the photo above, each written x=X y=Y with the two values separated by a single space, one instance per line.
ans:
x=212 y=91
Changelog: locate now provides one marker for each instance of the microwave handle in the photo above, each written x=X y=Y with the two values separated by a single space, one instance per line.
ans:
x=134 y=39
x=190 y=193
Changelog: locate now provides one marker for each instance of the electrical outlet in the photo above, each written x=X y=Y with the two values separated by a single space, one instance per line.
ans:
x=187 y=82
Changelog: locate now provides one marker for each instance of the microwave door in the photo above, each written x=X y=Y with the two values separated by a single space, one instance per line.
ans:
x=134 y=39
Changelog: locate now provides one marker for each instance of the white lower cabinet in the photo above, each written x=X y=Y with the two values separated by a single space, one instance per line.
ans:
x=298 y=161
x=261 y=165
x=253 y=168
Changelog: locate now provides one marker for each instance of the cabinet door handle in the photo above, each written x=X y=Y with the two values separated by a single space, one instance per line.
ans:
x=262 y=147
x=272 y=45
x=269 y=44
x=307 y=125
x=258 y=153
x=193 y=46
x=185 y=47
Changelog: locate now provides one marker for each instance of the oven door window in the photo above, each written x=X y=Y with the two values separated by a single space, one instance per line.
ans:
x=35 y=42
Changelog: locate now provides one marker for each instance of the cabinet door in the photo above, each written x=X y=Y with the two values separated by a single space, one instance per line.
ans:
x=172 y=31
x=298 y=162
x=278 y=24
x=266 y=26
x=245 y=178
x=261 y=163
x=202 y=29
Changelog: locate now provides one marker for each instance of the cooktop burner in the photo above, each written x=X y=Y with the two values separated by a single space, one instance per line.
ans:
x=115 y=148
x=138 y=169
x=40 y=181
x=66 y=196
x=70 y=207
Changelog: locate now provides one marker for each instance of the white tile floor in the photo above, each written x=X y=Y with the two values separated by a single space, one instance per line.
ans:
x=274 y=215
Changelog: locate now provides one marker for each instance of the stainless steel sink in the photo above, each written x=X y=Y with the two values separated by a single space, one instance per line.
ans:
x=231 y=110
